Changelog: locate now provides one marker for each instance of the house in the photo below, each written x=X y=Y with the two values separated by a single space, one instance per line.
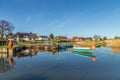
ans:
x=76 y=38
x=33 y=36
x=62 y=38
x=42 y=37
x=25 y=36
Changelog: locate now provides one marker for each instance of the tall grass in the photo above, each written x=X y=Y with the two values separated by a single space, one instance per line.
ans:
x=115 y=43
x=87 y=43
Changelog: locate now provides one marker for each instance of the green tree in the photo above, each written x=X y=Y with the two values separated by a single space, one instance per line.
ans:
x=117 y=37
x=97 y=37
x=88 y=38
x=104 y=38
x=51 y=36
x=5 y=28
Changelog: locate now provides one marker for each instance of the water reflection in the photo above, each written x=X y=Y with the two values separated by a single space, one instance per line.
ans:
x=69 y=66
x=87 y=55
x=55 y=51
x=11 y=61
x=6 y=62
x=115 y=50
x=27 y=52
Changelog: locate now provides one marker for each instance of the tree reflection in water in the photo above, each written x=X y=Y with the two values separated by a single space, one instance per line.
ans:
x=27 y=52
x=7 y=61
x=5 y=64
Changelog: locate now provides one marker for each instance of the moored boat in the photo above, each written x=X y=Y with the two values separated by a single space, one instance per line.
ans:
x=83 y=49
x=65 y=46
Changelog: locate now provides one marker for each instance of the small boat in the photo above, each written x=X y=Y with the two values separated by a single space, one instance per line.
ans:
x=65 y=46
x=83 y=49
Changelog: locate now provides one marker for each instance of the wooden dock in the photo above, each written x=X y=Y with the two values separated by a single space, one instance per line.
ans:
x=11 y=50
x=48 y=47
x=41 y=47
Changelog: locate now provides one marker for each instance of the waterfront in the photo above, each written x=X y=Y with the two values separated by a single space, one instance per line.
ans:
x=62 y=65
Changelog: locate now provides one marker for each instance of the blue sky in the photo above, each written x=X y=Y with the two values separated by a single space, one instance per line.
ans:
x=63 y=17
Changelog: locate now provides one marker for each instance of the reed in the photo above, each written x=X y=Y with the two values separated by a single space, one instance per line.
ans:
x=87 y=43
x=115 y=43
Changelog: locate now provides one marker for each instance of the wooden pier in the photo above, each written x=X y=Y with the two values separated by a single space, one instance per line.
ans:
x=11 y=50
x=41 y=47
x=30 y=46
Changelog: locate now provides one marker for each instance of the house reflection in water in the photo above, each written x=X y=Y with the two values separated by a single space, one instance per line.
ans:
x=27 y=52
x=7 y=61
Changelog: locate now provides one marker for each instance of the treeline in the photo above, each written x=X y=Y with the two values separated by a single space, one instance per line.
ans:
x=117 y=37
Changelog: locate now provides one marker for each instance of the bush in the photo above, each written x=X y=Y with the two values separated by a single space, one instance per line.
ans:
x=3 y=42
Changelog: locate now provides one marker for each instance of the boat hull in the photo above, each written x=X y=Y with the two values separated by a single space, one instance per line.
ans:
x=65 y=47
x=83 y=49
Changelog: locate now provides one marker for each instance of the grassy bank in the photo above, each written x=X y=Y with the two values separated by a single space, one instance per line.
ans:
x=100 y=43
x=87 y=43
x=9 y=47
x=92 y=43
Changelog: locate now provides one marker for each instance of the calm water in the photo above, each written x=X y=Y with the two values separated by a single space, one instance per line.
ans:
x=62 y=65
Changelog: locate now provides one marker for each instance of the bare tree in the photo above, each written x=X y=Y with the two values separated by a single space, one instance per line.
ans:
x=5 y=28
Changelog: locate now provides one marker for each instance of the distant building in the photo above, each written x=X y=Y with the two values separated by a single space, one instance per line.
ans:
x=76 y=38
x=42 y=37
x=62 y=38
x=25 y=36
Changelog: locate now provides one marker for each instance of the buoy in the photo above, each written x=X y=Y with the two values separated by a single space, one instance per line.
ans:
x=10 y=44
x=93 y=47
